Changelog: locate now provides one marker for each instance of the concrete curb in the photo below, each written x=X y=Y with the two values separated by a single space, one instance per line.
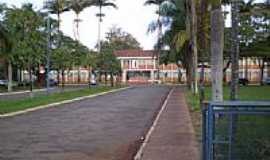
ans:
x=139 y=154
x=60 y=103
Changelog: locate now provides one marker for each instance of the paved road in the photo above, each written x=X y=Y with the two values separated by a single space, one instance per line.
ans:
x=102 y=128
x=23 y=95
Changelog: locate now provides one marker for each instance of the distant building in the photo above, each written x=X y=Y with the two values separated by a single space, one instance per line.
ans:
x=138 y=66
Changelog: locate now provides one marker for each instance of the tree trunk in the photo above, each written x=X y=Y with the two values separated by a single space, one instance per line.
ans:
x=58 y=76
x=58 y=30
x=9 y=76
x=89 y=75
x=194 y=84
x=202 y=75
x=77 y=27
x=188 y=72
x=99 y=29
x=159 y=43
x=111 y=77
x=63 y=79
x=106 y=80
x=31 y=80
x=179 y=77
x=217 y=44
x=79 y=76
x=235 y=51
x=225 y=70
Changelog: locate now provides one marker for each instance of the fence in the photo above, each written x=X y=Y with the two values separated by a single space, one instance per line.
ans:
x=234 y=130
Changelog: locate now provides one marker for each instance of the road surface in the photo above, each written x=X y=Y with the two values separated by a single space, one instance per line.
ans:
x=103 y=128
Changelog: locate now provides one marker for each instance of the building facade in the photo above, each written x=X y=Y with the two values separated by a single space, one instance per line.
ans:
x=137 y=66
x=140 y=66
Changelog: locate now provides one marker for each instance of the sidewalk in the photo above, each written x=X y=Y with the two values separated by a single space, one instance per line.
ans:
x=173 y=138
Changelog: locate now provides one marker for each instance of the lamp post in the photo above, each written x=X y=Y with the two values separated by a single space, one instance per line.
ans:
x=48 y=55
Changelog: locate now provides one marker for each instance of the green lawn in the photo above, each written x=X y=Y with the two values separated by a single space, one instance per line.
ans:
x=17 y=105
x=250 y=93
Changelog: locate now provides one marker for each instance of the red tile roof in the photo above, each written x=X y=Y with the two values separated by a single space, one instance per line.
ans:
x=135 y=53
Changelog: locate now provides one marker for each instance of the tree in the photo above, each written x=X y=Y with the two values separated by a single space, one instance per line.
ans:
x=80 y=51
x=117 y=39
x=109 y=64
x=5 y=52
x=160 y=4
x=57 y=7
x=62 y=58
x=191 y=12
x=78 y=6
x=25 y=27
x=217 y=44
x=90 y=62
x=100 y=4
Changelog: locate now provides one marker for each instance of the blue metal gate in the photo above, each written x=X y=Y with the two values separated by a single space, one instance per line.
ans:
x=236 y=130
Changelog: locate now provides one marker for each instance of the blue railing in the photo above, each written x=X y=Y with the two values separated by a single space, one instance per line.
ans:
x=226 y=127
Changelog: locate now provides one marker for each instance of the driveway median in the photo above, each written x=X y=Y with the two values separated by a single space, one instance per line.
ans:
x=11 y=108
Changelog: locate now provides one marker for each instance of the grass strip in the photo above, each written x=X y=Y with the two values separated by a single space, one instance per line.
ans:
x=247 y=93
x=18 y=105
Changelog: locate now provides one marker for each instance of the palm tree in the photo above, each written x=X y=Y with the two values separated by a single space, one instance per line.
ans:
x=57 y=7
x=192 y=28
x=159 y=4
x=217 y=44
x=100 y=4
x=78 y=6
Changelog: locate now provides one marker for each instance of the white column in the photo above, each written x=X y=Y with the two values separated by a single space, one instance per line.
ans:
x=152 y=75
x=122 y=63
x=124 y=76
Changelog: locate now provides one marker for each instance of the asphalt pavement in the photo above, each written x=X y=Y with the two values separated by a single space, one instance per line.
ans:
x=106 y=127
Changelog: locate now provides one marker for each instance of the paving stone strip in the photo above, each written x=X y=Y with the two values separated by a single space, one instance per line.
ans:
x=173 y=138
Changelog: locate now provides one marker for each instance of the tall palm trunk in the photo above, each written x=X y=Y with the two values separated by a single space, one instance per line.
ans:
x=217 y=44
x=99 y=29
x=77 y=26
x=58 y=28
x=159 y=42
x=194 y=84
x=9 y=76
x=188 y=55
x=235 y=51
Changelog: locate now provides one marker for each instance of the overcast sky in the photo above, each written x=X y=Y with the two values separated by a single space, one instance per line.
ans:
x=131 y=15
